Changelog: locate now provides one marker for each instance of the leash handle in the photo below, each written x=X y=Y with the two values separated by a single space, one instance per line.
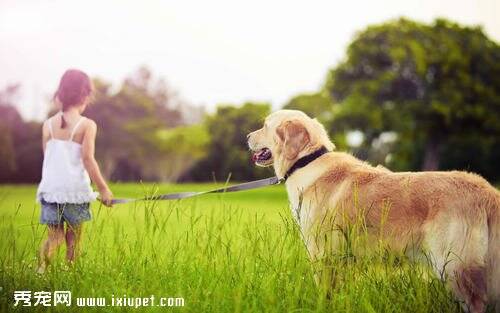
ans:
x=189 y=194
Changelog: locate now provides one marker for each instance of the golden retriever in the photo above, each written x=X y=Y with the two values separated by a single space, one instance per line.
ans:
x=453 y=217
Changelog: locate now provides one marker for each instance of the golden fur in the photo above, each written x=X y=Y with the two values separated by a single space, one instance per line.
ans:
x=453 y=217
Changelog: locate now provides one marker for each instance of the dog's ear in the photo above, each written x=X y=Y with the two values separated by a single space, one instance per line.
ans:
x=294 y=137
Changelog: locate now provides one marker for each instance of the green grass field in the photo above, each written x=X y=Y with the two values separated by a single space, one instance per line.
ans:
x=237 y=252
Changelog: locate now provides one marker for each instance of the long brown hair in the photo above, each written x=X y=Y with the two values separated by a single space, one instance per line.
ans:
x=73 y=88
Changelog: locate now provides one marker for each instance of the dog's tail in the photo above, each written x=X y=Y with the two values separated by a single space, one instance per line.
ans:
x=494 y=250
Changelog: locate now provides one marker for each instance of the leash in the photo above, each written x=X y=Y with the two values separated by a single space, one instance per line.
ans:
x=189 y=194
x=302 y=162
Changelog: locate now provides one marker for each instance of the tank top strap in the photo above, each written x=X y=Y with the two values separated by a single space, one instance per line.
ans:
x=75 y=128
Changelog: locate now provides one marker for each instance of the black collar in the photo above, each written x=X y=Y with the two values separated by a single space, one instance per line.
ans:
x=303 y=161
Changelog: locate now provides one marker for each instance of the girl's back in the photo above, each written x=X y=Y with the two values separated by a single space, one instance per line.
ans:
x=64 y=178
x=54 y=124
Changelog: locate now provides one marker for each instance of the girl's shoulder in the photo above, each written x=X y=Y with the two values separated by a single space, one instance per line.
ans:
x=88 y=122
x=88 y=125
x=48 y=122
x=51 y=118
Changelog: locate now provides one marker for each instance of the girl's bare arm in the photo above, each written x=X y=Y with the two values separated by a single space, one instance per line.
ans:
x=88 y=150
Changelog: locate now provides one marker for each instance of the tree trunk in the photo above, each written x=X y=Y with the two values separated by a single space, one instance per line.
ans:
x=431 y=157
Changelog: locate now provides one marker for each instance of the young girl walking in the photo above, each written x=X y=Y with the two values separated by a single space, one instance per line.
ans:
x=65 y=191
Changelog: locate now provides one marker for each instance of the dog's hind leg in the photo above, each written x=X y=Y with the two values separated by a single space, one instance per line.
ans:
x=457 y=249
x=466 y=280
x=471 y=285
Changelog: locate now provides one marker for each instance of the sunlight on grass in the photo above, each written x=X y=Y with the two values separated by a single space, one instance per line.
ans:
x=221 y=253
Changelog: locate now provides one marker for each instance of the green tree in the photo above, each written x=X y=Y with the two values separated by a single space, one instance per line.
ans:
x=20 y=142
x=132 y=125
x=180 y=148
x=228 y=153
x=317 y=105
x=29 y=153
x=426 y=83
x=7 y=153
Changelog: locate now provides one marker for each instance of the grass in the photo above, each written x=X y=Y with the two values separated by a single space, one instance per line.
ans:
x=236 y=252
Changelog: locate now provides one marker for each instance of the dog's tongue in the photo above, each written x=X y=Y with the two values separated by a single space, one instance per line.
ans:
x=261 y=154
x=255 y=156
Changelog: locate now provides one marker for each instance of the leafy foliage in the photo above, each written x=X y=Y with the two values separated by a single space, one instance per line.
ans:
x=317 y=105
x=128 y=144
x=20 y=142
x=180 y=149
x=228 y=153
x=427 y=83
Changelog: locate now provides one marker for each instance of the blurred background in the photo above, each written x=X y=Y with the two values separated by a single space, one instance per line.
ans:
x=411 y=85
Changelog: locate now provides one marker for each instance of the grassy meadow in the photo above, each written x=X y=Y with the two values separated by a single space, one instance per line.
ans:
x=237 y=252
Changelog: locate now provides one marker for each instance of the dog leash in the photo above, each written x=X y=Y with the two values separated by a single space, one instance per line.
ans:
x=305 y=160
x=189 y=194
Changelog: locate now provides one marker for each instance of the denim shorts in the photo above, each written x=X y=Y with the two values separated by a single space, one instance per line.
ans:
x=71 y=213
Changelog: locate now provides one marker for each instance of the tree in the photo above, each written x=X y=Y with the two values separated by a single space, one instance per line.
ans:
x=317 y=105
x=426 y=83
x=20 y=142
x=7 y=154
x=228 y=153
x=180 y=148
x=10 y=122
x=131 y=143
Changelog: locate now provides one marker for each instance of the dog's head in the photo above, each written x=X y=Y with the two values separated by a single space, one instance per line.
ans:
x=287 y=135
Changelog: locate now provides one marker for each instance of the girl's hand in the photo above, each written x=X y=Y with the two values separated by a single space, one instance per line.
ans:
x=106 y=196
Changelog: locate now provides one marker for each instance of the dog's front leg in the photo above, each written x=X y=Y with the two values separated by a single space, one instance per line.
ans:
x=323 y=248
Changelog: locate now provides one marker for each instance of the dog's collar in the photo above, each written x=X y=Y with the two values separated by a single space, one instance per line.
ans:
x=305 y=160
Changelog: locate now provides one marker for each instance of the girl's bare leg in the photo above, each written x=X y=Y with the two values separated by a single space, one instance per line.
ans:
x=54 y=240
x=73 y=236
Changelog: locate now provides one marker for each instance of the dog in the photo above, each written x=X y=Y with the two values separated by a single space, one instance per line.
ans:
x=453 y=217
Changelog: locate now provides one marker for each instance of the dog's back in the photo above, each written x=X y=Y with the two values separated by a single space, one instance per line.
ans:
x=456 y=215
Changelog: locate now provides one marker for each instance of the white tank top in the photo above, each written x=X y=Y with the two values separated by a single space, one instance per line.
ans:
x=64 y=178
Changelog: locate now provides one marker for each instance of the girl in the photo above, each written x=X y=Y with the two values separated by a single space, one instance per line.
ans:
x=65 y=192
